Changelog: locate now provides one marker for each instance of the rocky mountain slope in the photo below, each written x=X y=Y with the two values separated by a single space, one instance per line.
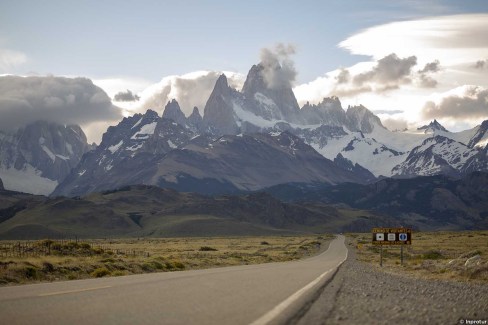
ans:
x=147 y=149
x=39 y=156
x=433 y=202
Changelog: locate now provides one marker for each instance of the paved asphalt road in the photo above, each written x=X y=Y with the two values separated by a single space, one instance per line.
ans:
x=258 y=294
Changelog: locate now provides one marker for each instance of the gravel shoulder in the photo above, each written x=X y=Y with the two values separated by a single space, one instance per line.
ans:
x=361 y=294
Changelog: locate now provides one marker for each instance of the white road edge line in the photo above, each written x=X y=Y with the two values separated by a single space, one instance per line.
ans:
x=269 y=316
x=70 y=291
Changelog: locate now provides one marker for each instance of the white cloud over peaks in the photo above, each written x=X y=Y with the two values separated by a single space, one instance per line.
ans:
x=190 y=90
x=450 y=39
x=463 y=103
x=10 y=59
x=279 y=69
x=61 y=100
x=384 y=75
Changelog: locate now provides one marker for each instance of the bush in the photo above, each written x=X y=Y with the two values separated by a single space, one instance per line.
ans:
x=264 y=243
x=30 y=272
x=432 y=255
x=100 y=272
x=85 y=246
x=207 y=249
x=179 y=265
x=47 y=267
x=119 y=273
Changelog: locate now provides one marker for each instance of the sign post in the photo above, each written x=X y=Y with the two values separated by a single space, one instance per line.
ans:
x=392 y=237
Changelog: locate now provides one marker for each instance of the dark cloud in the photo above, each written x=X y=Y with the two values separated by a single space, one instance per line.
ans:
x=434 y=66
x=343 y=76
x=126 y=96
x=390 y=71
x=480 y=64
x=424 y=78
x=473 y=103
x=56 y=99
x=279 y=69
x=427 y=81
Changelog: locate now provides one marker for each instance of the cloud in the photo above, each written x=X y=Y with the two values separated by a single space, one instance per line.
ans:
x=389 y=71
x=126 y=96
x=465 y=102
x=424 y=79
x=10 y=59
x=190 y=90
x=279 y=69
x=451 y=39
x=386 y=74
x=56 y=99
x=480 y=64
x=384 y=111
x=343 y=77
x=395 y=124
x=431 y=67
x=427 y=82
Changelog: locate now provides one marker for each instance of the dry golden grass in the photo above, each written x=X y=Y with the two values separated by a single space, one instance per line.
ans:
x=114 y=257
x=460 y=256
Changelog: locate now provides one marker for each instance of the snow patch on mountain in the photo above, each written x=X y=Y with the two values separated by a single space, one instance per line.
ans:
x=116 y=147
x=137 y=123
x=48 y=152
x=145 y=131
x=27 y=180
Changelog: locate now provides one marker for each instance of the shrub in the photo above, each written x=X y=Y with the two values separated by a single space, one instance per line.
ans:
x=157 y=265
x=264 y=243
x=100 y=272
x=432 y=255
x=208 y=249
x=30 y=272
x=47 y=267
x=119 y=273
x=179 y=265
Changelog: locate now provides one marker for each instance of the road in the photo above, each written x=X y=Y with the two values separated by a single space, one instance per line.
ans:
x=250 y=294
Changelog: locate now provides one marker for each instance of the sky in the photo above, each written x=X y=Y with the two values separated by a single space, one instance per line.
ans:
x=407 y=61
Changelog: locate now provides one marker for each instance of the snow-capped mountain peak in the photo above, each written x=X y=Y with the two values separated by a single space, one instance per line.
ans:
x=362 y=119
x=173 y=112
x=432 y=127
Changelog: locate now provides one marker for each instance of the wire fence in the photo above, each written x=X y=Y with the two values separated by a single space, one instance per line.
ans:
x=62 y=247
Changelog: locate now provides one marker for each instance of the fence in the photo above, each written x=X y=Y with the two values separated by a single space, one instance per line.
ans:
x=62 y=247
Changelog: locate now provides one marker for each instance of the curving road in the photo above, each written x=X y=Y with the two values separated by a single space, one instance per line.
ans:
x=252 y=294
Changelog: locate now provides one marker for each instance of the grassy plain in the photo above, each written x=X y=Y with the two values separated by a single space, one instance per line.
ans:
x=460 y=255
x=115 y=257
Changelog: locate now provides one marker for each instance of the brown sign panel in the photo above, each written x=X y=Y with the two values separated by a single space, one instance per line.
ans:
x=392 y=236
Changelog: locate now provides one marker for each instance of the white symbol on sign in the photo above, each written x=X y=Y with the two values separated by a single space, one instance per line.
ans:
x=391 y=237
x=380 y=237
x=403 y=236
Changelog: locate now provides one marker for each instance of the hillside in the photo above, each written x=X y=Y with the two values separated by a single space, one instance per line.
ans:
x=430 y=202
x=151 y=211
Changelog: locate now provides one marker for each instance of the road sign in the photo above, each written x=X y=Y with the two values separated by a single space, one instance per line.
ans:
x=394 y=236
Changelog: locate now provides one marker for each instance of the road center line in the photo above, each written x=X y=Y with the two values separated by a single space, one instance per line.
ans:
x=71 y=291
x=269 y=316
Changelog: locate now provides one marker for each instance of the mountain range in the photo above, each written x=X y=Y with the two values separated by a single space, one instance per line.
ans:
x=246 y=140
